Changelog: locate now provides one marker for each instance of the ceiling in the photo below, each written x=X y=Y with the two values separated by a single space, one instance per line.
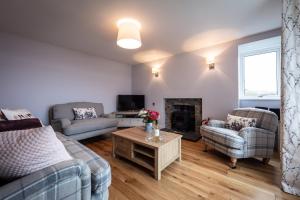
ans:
x=168 y=26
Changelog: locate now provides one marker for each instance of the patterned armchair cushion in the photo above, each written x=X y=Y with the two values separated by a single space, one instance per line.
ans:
x=223 y=136
x=100 y=168
x=265 y=119
x=237 y=123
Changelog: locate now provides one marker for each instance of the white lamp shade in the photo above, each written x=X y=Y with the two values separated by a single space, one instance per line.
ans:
x=210 y=59
x=129 y=34
x=155 y=70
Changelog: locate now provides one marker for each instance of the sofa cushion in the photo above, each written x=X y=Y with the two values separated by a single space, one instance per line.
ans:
x=2 y=117
x=23 y=152
x=17 y=114
x=85 y=113
x=223 y=136
x=86 y=125
x=100 y=168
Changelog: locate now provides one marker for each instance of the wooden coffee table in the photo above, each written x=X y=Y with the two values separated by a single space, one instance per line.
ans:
x=155 y=156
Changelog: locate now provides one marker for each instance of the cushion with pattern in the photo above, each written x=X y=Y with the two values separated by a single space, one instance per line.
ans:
x=85 y=113
x=17 y=114
x=2 y=117
x=23 y=152
x=237 y=123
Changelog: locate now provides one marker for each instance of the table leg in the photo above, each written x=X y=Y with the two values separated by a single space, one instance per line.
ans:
x=157 y=167
x=157 y=174
x=179 y=150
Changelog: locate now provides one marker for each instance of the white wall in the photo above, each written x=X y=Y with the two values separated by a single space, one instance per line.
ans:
x=187 y=76
x=36 y=75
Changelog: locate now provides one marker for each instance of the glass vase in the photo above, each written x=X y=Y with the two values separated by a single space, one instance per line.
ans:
x=149 y=130
x=148 y=127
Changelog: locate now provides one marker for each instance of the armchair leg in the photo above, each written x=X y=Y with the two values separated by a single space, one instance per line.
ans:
x=266 y=161
x=233 y=162
x=205 y=147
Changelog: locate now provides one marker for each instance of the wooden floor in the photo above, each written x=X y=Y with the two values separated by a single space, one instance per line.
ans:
x=200 y=175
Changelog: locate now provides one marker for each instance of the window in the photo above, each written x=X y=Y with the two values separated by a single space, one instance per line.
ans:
x=259 y=69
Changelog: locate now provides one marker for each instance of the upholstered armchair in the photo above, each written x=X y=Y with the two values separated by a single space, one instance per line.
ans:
x=249 y=141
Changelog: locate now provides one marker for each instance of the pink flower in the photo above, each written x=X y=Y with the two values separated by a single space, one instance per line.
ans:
x=149 y=115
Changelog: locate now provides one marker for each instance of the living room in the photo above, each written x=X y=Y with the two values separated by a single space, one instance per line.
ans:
x=210 y=92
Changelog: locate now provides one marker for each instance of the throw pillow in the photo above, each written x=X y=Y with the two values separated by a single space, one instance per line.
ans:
x=2 y=117
x=85 y=113
x=12 y=125
x=17 y=114
x=237 y=123
x=23 y=152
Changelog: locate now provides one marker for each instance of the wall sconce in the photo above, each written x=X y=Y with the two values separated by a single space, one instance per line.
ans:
x=155 y=71
x=211 y=62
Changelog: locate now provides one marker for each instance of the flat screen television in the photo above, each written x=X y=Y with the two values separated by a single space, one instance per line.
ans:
x=130 y=102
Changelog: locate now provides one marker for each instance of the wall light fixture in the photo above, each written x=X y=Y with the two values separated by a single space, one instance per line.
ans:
x=211 y=62
x=155 y=71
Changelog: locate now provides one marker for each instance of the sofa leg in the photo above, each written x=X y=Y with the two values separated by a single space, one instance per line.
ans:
x=205 y=147
x=266 y=161
x=233 y=162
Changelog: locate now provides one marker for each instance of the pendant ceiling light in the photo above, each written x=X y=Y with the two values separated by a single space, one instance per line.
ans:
x=129 y=33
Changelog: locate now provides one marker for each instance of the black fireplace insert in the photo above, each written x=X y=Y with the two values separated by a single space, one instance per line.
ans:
x=183 y=118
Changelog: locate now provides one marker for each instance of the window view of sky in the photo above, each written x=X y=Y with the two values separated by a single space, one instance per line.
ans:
x=260 y=75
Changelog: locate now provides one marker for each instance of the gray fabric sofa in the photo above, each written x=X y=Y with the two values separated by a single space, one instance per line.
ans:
x=249 y=141
x=62 y=120
x=85 y=177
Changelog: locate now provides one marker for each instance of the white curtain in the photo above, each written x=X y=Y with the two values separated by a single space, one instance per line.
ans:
x=290 y=102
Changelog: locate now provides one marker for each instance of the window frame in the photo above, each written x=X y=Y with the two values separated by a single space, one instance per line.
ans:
x=256 y=48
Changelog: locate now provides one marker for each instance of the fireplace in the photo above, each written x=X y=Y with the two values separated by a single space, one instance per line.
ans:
x=184 y=115
x=183 y=118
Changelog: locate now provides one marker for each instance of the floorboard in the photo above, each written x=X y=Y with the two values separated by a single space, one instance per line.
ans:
x=200 y=175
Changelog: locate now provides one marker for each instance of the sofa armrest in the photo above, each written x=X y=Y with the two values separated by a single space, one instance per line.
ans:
x=106 y=115
x=64 y=180
x=111 y=115
x=100 y=168
x=60 y=124
x=216 y=123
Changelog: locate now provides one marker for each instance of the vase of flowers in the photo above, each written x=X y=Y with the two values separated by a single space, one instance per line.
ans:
x=150 y=118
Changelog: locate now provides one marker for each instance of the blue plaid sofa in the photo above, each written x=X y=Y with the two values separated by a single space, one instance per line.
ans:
x=249 y=141
x=86 y=177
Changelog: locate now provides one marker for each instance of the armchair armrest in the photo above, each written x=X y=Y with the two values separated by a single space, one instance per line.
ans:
x=60 y=180
x=253 y=131
x=60 y=124
x=216 y=123
x=258 y=142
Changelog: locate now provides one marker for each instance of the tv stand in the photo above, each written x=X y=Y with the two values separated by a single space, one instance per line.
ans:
x=127 y=119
